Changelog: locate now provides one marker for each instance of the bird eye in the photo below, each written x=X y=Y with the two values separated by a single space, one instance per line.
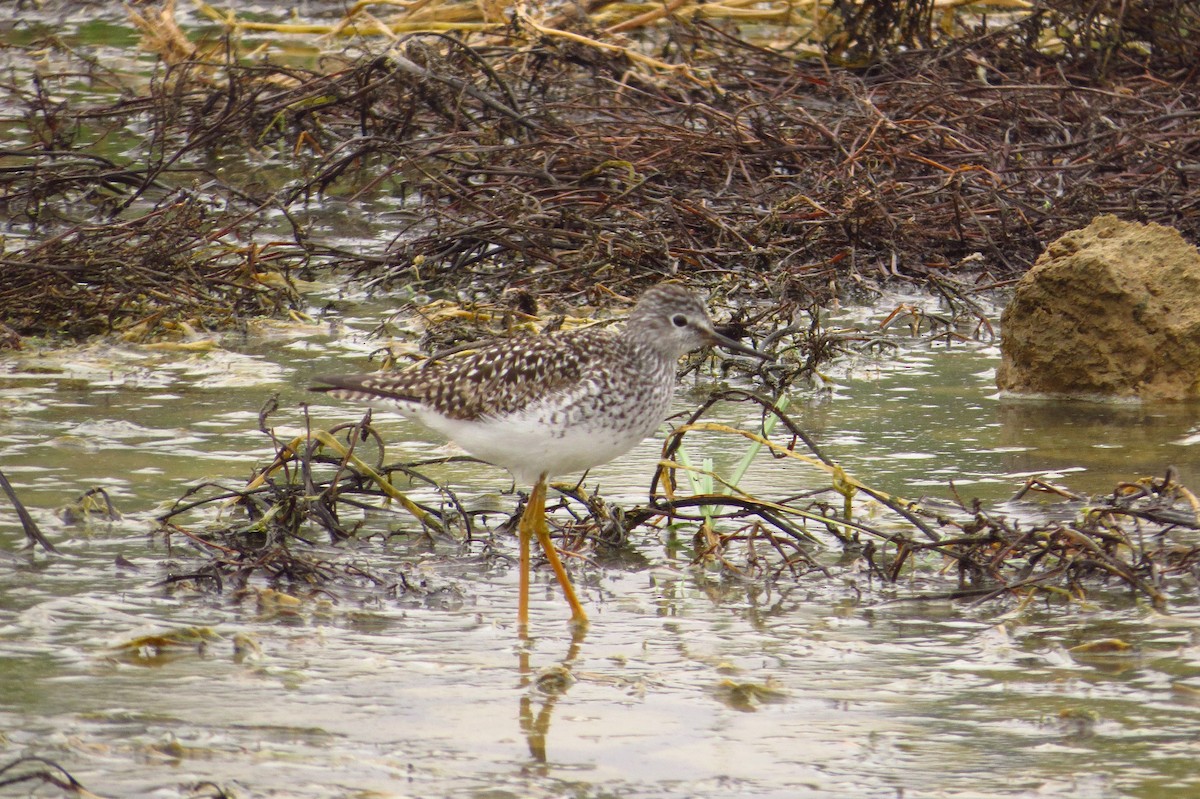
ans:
x=679 y=320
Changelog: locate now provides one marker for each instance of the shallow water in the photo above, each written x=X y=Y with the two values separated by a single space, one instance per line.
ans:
x=686 y=684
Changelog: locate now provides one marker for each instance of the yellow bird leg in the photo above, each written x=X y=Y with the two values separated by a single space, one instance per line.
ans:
x=537 y=501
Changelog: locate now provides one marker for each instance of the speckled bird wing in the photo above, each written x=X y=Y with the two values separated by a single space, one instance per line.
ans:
x=506 y=377
x=498 y=379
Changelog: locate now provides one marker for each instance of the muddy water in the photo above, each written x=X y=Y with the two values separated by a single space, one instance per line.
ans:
x=685 y=685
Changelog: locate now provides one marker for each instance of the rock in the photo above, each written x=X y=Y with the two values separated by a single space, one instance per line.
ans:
x=1112 y=310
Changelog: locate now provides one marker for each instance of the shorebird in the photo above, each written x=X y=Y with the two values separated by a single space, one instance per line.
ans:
x=551 y=405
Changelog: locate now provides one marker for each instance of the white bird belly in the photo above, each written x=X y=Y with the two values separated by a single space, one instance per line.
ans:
x=528 y=447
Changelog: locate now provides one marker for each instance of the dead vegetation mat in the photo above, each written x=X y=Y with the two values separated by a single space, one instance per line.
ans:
x=558 y=165
x=325 y=488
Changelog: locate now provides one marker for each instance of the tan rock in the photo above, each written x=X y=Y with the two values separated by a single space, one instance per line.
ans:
x=1112 y=310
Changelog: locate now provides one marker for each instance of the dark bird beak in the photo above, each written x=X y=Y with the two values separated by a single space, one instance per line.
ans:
x=725 y=342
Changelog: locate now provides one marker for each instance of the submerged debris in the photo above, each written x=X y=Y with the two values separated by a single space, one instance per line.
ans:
x=1073 y=548
x=1084 y=545
x=286 y=504
x=40 y=770
x=33 y=533
x=156 y=649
